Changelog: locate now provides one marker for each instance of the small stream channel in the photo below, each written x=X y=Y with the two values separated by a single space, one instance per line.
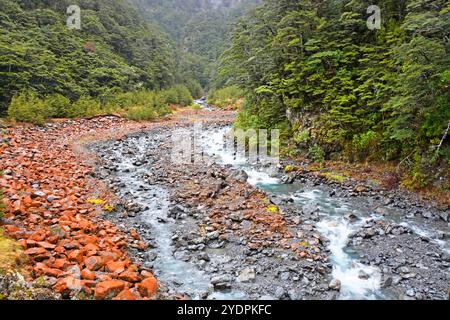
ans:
x=131 y=166
x=358 y=281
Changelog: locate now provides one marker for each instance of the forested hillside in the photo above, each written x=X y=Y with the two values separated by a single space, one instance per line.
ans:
x=115 y=50
x=340 y=90
x=201 y=29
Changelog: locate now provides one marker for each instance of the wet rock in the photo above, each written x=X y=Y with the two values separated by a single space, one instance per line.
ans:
x=335 y=284
x=221 y=282
x=410 y=292
x=386 y=282
x=239 y=175
x=363 y=275
x=310 y=208
x=288 y=179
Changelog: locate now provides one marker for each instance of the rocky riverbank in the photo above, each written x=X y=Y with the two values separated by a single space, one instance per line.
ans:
x=99 y=207
x=244 y=242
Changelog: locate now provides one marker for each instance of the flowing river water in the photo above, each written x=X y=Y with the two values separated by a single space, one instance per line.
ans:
x=359 y=281
x=128 y=167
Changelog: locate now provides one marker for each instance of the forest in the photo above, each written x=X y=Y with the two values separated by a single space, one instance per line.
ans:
x=337 y=88
x=231 y=150
x=341 y=90
x=115 y=52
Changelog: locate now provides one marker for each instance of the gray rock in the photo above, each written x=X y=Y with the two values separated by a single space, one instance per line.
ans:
x=310 y=208
x=247 y=275
x=280 y=293
x=335 y=284
x=221 y=279
x=363 y=275
x=410 y=292
x=239 y=175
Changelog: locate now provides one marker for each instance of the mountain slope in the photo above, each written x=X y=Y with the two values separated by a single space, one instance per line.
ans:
x=116 y=50
x=200 y=28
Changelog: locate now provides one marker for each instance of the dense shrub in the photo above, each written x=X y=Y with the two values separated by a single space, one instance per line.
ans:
x=316 y=153
x=195 y=89
x=225 y=97
x=141 y=113
x=57 y=106
x=27 y=107
x=85 y=107
x=138 y=105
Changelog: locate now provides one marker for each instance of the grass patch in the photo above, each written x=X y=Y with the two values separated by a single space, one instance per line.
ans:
x=11 y=254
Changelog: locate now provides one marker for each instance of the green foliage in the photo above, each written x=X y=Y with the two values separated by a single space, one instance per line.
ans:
x=141 y=113
x=200 y=30
x=139 y=105
x=57 y=106
x=333 y=177
x=316 y=153
x=228 y=96
x=116 y=51
x=184 y=97
x=302 y=137
x=85 y=107
x=178 y=95
x=360 y=94
x=27 y=107
x=195 y=88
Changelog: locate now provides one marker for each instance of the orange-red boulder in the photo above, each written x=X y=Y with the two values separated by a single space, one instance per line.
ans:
x=148 y=287
x=107 y=290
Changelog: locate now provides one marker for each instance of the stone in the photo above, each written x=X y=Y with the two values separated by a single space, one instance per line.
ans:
x=129 y=276
x=125 y=295
x=94 y=263
x=107 y=290
x=148 y=287
x=116 y=267
x=247 y=275
x=87 y=274
x=363 y=275
x=335 y=284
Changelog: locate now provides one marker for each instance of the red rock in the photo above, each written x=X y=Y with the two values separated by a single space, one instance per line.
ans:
x=109 y=256
x=146 y=274
x=94 y=263
x=87 y=274
x=50 y=271
x=103 y=276
x=23 y=244
x=148 y=287
x=134 y=234
x=67 y=285
x=91 y=248
x=35 y=251
x=116 y=267
x=121 y=244
x=126 y=295
x=46 y=245
x=76 y=256
x=142 y=246
x=11 y=229
x=53 y=240
x=60 y=264
x=129 y=276
x=107 y=290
